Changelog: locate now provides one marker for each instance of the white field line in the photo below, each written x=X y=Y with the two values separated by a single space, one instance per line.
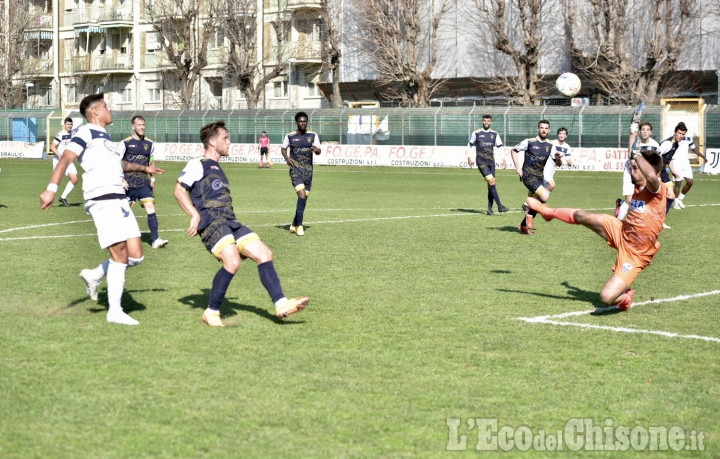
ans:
x=554 y=319
x=265 y=225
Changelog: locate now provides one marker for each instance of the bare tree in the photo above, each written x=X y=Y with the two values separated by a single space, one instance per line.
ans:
x=398 y=38
x=244 y=67
x=514 y=37
x=330 y=51
x=630 y=50
x=15 y=19
x=185 y=28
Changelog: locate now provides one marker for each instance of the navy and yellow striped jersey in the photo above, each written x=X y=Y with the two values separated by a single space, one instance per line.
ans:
x=537 y=153
x=137 y=151
x=485 y=143
x=299 y=148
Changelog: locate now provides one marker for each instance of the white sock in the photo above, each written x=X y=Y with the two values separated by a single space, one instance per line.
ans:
x=681 y=197
x=624 y=208
x=115 y=284
x=100 y=270
x=280 y=302
x=68 y=188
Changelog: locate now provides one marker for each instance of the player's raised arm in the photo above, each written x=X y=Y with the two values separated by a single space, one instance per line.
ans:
x=650 y=165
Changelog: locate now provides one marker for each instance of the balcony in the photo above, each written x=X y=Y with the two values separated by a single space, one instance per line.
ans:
x=305 y=51
x=108 y=17
x=106 y=63
x=41 y=21
x=37 y=66
x=303 y=5
x=112 y=62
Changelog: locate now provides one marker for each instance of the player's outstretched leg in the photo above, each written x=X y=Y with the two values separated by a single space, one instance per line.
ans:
x=565 y=214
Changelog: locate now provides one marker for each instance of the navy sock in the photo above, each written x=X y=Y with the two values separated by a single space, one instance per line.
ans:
x=270 y=280
x=493 y=195
x=219 y=287
x=153 y=225
x=490 y=200
x=299 y=212
x=668 y=206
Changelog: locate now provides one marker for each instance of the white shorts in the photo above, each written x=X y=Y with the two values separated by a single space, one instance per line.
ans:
x=683 y=169
x=628 y=187
x=71 y=169
x=114 y=220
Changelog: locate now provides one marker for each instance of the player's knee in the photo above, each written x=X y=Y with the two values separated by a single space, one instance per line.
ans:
x=74 y=179
x=134 y=261
x=264 y=255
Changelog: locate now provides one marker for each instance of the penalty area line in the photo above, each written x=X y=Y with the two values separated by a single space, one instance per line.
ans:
x=553 y=319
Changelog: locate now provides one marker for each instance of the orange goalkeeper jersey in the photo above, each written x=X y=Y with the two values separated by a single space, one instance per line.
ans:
x=644 y=221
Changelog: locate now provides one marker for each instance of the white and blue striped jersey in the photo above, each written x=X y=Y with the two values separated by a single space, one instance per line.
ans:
x=101 y=159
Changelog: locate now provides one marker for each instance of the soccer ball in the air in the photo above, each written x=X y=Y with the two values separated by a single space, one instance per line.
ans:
x=568 y=84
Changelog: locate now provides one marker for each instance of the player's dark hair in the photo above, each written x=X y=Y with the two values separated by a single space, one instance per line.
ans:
x=645 y=123
x=209 y=131
x=562 y=129
x=487 y=117
x=653 y=158
x=543 y=122
x=264 y=132
x=681 y=127
x=67 y=120
x=299 y=115
x=136 y=117
x=89 y=101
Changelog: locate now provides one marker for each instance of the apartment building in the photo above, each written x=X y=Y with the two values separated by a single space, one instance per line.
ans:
x=77 y=47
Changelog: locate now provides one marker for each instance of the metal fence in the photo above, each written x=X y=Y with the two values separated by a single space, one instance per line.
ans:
x=588 y=126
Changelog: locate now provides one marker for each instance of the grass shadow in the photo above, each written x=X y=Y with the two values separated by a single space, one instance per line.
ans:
x=230 y=308
x=128 y=302
x=469 y=211
x=574 y=293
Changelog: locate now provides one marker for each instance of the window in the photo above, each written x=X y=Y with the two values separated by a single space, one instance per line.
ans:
x=153 y=91
x=98 y=88
x=313 y=90
x=280 y=89
x=125 y=94
x=152 y=44
x=46 y=96
x=313 y=30
x=72 y=94
x=217 y=39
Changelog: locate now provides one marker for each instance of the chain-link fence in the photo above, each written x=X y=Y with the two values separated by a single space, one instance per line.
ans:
x=588 y=126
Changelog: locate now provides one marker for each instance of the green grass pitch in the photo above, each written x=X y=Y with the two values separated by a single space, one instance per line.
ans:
x=413 y=325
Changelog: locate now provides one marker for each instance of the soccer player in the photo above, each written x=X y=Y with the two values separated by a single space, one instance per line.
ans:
x=105 y=201
x=203 y=193
x=537 y=152
x=680 y=164
x=297 y=149
x=264 y=142
x=562 y=150
x=667 y=149
x=139 y=149
x=639 y=139
x=635 y=239
x=484 y=142
x=58 y=146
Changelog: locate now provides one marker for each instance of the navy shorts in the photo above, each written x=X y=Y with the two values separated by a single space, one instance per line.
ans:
x=142 y=193
x=486 y=168
x=301 y=178
x=532 y=183
x=220 y=233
